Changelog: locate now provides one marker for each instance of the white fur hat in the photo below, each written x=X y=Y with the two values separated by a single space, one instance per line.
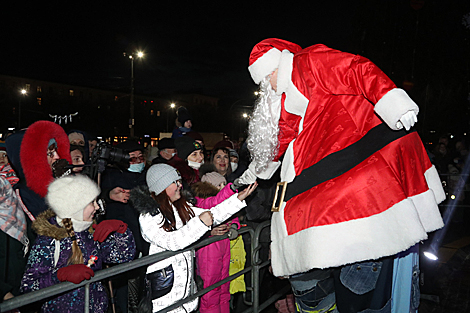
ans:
x=68 y=196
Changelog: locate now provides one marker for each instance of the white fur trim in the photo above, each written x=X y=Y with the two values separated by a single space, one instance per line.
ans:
x=268 y=172
x=435 y=184
x=384 y=234
x=265 y=65
x=393 y=105
x=295 y=103
x=287 y=169
x=284 y=72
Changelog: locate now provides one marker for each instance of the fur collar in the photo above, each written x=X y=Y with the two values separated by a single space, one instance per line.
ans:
x=284 y=72
x=43 y=226
x=142 y=201
x=204 y=190
x=33 y=150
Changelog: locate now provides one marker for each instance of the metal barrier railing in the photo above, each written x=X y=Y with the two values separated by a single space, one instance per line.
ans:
x=257 y=264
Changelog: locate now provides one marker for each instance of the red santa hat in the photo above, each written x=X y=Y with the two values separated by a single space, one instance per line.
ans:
x=266 y=55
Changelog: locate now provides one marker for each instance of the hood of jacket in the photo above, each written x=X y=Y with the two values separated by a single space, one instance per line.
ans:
x=142 y=201
x=43 y=226
x=33 y=159
x=204 y=190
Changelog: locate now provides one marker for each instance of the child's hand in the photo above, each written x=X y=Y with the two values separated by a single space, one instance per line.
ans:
x=220 y=230
x=242 y=195
x=207 y=218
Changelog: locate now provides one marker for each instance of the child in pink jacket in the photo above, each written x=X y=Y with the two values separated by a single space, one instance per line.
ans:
x=213 y=261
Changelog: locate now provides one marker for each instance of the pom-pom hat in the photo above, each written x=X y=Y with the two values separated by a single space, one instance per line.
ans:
x=266 y=55
x=68 y=196
x=160 y=176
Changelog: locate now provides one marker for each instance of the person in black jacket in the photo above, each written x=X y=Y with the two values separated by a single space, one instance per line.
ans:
x=116 y=182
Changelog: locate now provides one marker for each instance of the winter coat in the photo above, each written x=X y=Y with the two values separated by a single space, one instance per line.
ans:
x=42 y=267
x=151 y=221
x=116 y=177
x=359 y=188
x=213 y=261
x=27 y=154
x=13 y=240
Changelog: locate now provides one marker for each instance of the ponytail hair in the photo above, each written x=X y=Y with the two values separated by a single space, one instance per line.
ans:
x=76 y=257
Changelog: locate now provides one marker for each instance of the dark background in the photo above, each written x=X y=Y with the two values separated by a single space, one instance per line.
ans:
x=203 y=46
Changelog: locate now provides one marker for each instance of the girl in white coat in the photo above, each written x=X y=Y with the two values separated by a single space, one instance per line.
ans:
x=169 y=222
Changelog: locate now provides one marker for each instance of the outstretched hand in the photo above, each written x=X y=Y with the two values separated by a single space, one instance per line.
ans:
x=242 y=195
x=119 y=194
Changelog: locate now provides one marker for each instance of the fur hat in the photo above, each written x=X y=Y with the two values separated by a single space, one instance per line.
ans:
x=266 y=56
x=214 y=178
x=160 y=176
x=68 y=196
x=35 y=142
x=185 y=146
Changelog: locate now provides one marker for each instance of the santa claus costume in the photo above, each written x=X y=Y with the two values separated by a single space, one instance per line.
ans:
x=359 y=186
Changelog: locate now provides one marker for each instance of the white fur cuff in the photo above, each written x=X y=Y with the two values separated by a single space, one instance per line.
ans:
x=393 y=105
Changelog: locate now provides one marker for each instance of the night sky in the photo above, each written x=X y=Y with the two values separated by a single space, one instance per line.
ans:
x=203 y=46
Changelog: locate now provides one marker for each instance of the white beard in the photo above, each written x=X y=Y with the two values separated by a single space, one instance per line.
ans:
x=263 y=128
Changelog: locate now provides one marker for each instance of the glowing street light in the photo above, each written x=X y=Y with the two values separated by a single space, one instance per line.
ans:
x=172 y=106
x=138 y=54
x=23 y=93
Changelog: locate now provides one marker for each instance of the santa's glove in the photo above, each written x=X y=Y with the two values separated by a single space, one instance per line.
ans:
x=247 y=178
x=103 y=229
x=268 y=172
x=407 y=120
x=75 y=273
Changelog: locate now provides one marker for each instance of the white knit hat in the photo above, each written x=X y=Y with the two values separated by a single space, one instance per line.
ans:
x=68 y=196
x=160 y=176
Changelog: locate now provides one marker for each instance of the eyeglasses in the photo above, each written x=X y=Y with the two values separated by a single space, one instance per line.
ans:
x=134 y=159
x=51 y=153
x=178 y=183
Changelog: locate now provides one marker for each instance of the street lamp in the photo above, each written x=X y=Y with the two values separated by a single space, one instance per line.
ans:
x=138 y=54
x=23 y=94
x=172 y=106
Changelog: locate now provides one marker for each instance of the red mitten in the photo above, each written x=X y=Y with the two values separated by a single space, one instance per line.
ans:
x=103 y=229
x=75 y=273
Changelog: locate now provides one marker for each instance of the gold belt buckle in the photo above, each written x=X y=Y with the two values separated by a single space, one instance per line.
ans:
x=275 y=208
